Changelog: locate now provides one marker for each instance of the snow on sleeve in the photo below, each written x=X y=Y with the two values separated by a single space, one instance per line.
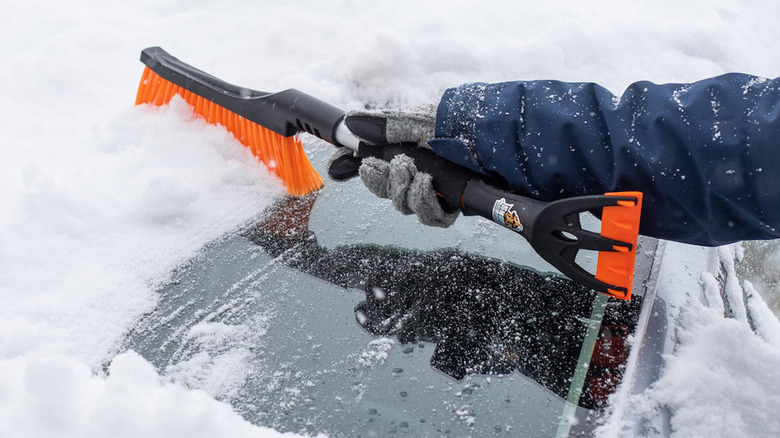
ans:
x=59 y=397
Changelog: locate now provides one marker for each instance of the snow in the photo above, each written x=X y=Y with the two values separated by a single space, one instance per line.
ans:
x=721 y=374
x=101 y=199
x=376 y=352
x=723 y=380
x=59 y=396
x=222 y=350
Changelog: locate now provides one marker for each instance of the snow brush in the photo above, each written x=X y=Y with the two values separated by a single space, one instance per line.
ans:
x=268 y=123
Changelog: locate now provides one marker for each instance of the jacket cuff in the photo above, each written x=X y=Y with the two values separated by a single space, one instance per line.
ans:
x=456 y=125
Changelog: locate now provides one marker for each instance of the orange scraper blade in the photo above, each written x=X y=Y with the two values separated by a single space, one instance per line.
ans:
x=620 y=222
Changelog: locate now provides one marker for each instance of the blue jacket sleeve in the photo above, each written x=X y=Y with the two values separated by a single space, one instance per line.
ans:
x=705 y=154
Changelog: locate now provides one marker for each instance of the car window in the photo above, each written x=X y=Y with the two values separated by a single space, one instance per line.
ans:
x=334 y=314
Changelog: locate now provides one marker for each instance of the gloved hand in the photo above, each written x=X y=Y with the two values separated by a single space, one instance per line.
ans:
x=399 y=180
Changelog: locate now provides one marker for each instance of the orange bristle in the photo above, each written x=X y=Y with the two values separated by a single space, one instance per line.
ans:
x=284 y=156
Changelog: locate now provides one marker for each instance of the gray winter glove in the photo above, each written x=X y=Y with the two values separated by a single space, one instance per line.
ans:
x=399 y=180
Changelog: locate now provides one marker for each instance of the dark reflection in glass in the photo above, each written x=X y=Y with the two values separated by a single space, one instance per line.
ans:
x=486 y=316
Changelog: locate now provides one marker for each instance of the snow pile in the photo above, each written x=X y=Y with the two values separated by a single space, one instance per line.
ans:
x=724 y=377
x=92 y=233
x=721 y=375
x=90 y=240
x=100 y=204
x=101 y=200
x=56 y=396
x=722 y=381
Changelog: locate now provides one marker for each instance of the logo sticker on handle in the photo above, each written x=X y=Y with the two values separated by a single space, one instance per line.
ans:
x=504 y=214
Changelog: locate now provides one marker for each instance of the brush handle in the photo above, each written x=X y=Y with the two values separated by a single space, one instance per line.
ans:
x=553 y=229
x=286 y=112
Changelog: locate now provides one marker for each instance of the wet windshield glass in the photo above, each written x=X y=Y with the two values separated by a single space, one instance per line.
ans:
x=323 y=318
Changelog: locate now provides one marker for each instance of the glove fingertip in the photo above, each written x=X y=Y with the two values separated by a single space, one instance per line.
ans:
x=424 y=202
x=374 y=174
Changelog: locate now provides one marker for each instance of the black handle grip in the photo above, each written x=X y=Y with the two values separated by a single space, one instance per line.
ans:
x=518 y=213
x=286 y=112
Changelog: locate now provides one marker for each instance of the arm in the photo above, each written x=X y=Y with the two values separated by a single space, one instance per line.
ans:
x=704 y=154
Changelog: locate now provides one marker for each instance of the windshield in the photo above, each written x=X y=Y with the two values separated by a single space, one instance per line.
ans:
x=334 y=314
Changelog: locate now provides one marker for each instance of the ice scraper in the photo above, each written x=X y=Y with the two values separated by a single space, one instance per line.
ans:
x=268 y=124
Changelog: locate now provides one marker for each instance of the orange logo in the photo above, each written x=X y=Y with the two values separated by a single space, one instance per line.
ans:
x=511 y=220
